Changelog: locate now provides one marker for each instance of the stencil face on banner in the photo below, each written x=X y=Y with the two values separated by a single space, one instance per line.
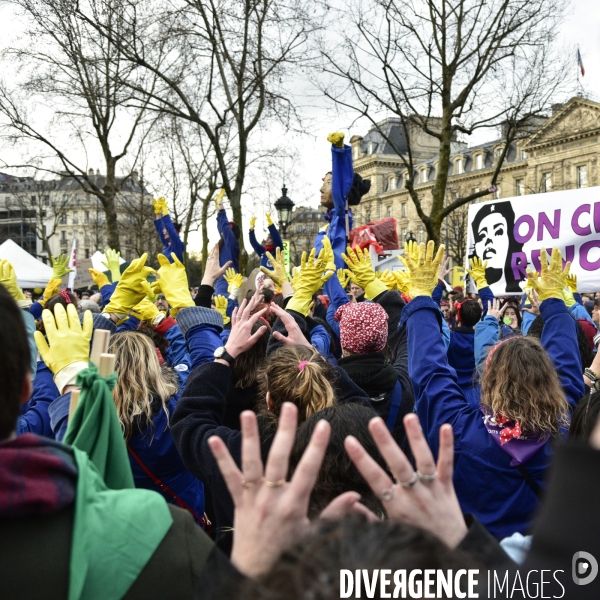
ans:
x=509 y=235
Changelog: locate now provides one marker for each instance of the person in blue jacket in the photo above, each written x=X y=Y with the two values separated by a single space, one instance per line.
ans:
x=340 y=186
x=168 y=232
x=229 y=245
x=272 y=242
x=528 y=390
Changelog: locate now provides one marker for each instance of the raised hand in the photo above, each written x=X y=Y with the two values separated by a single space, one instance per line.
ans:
x=444 y=269
x=160 y=206
x=147 y=311
x=424 y=498
x=337 y=139
x=295 y=335
x=234 y=280
x=477 y=272
x=241 y=337
x=132 y=287
x=572 y=282
x=51 y=290
x=534 y=301
x=219 y=199
x=552 y=279
x=269 y=220
x=362 y=272
x=252 y=222
x=213 y=271
x=60 y=266
x=8 y=278
x=221 y=307
x=343 y=278
x=100 y=279
x=278 y=274
x=113 y=264
x=173 y=283
x=424 y=269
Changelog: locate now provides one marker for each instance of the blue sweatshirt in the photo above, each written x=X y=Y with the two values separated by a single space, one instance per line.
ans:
x=34 y=415
x=260 y=249
x=461 y=357
x=342 y=175
x=174 y=243
x=229 y=251
x=486 y=485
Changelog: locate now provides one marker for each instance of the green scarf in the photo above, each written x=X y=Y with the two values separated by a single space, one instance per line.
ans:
x=94 y=428
x=115 y=533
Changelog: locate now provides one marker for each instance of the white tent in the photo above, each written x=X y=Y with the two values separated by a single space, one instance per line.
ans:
x=97 y=259
x=31 y=272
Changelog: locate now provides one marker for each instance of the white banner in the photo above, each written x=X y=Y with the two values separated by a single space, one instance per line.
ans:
x=509 y=234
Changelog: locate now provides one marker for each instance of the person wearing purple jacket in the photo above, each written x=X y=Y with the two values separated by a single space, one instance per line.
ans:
x=528 y=391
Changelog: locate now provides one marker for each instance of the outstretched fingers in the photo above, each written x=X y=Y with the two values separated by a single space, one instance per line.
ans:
x=279 y=454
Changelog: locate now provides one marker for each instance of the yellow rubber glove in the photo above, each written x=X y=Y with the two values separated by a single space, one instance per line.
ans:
x=312 y=276
x=423 y=271
x=359 y=264
x=477 y=272
x=131 y=289
x=51 y=290
x=160 y=206
x=552 y=279
x=8 y=278
x=295 y=277
x=67 y=348
x=252 y=222
x=219 y=198
x=173 y=283
x=388 y=279
x=343 y=278
x=59 y=266
x=233 y=279
x=337 y=139
x=572 y=282
x=221 y=307
x=147 y=311
x=100 y=279
x=402 y=281
x=567 y=296
x=269 y=220
x=112 y=264
x=328 y=255
x=278 y=274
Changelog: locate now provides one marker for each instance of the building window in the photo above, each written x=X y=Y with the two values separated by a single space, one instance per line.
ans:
x=403 y=235
x=87 y=252
x=479 y=161
x=546 y=182
x=524 y=154
x=392 y=185
x=355 y=152
x=46 y=200
x=459 y=166
x=403 y=209
x=370 y=148
x=75 y=218
x=62 y=219
x=582 y=180
x=63 y=237
x=388 y=210
x=33 y=200
x=520 y=187
x=65 y=197
x=86 y=216
x=497 y=193
x=421 y=234
x=499 y=154
x=423 y=175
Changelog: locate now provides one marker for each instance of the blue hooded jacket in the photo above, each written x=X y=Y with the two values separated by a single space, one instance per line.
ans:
x=230 y=251
x=174 y=243
x=34 y=415
x=261 y=250
x=486 y=484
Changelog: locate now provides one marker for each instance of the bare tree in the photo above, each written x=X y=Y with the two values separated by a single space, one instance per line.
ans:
x=447 y=68
x=221 y=64
x=80 y=77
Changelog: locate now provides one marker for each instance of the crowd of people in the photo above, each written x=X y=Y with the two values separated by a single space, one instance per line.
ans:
x=335 y=418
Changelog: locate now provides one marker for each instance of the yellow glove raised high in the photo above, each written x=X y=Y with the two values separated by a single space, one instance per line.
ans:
x=219 y=198
x=160 y=206
x=337 y=139
x=572 y=282
x=113 y=264
x=402 y=281
x=131 y=289
x=51 y=290
x=173 y=283
x=8 y=278
x=359 y=264
x=67 y=348
x=234 y=280
x=221 y=307
x=424 y=270
x=59 y=266
x=477 y=272
x=269 y=220
x=343 y=278
x=252 y=222
x=278 y=274
x=309 y=281
x=552 y=279
x=100 y=279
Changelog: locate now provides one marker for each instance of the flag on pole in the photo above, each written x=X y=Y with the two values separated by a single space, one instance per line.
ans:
x=580 y=63
x=73 y=265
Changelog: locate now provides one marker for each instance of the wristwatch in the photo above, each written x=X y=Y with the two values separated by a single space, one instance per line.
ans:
x=224 y=355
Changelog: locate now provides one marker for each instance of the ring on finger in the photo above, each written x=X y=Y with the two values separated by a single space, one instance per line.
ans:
x=387 y=494
x=273 y=484
x=426 y=478
x=408 y=484
x=249 y=484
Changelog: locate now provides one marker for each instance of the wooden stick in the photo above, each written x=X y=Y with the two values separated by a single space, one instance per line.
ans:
x=107 y=364
x=73 y=403
x=99 y=345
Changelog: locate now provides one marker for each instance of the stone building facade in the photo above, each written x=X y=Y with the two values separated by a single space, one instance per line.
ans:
x=560 y=153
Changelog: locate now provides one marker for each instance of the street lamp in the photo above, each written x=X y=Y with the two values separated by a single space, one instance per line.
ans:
x=284 y=207
x=410 y=237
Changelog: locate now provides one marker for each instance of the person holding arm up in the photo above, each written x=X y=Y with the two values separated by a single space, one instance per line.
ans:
x=272 y=242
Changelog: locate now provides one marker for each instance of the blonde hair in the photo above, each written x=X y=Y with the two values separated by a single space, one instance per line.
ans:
x=140 y=380
x=308 y=386
x=521 y=384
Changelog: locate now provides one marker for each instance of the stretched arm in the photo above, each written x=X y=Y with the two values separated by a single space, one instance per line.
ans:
x=437 y=294
x=486 y=295
x=158 y=225
x=486 y=337
x=337 y=297
x=176 y=245
x=258 y=248
x=177 y=353
x=35 y=418
x=277 y=241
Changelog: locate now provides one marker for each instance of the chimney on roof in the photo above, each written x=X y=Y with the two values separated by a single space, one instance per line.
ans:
x=98 y=172
x=90 y=172
x=134 y=176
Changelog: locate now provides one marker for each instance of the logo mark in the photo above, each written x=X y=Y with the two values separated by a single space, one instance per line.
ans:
x=585 y=568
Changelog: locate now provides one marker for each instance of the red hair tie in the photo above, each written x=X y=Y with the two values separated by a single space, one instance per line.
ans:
x=65 y=295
